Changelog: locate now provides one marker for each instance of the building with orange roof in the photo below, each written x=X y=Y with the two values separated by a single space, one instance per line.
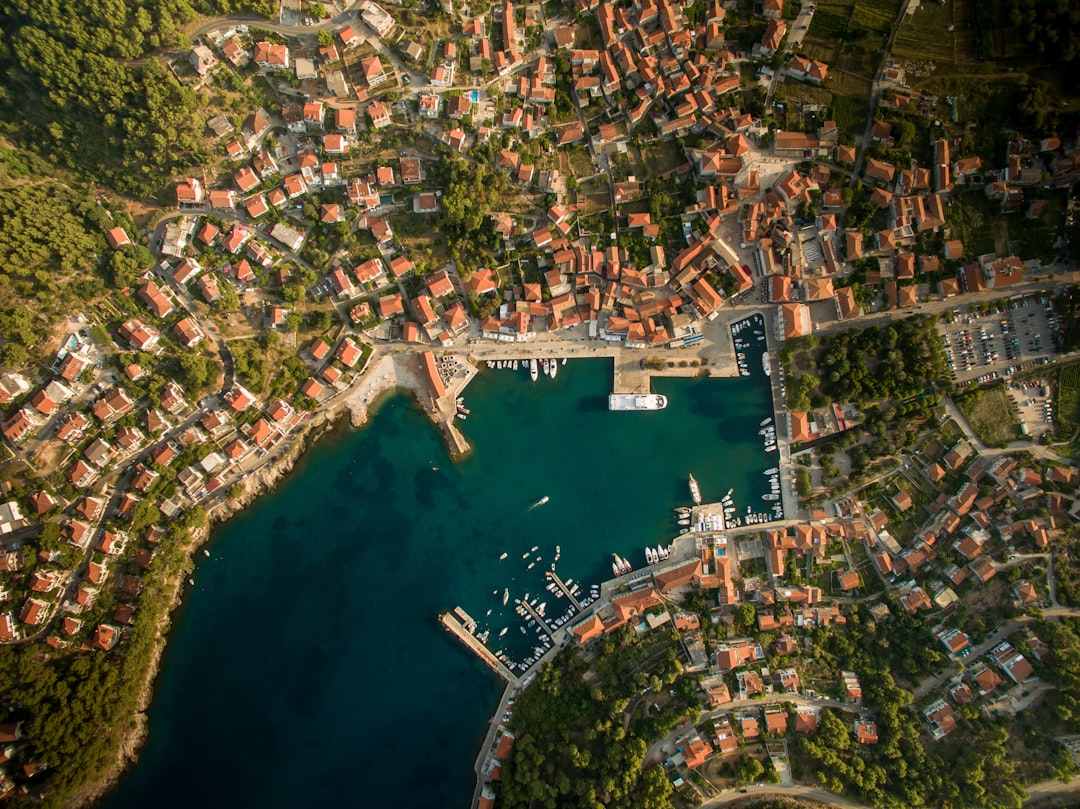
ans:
x=431 y=375
x=776 y=722
x=695 y=751
x=591 y=627
x=796 y=320
x=866 y=731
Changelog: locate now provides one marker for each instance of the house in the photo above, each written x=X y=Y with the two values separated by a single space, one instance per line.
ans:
x=866 y=731
x=188 y=333
x=138 y=336
x=372 y=69
x=271 y=56
x=379 y=114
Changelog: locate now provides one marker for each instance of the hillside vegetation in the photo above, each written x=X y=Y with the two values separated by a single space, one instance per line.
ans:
x=76 y=86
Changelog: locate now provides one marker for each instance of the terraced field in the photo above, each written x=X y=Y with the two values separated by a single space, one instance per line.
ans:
x=926 y=35
x=850 y=112
x=875 y=15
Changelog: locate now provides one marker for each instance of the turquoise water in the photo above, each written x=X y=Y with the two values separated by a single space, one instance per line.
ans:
x=306 y=665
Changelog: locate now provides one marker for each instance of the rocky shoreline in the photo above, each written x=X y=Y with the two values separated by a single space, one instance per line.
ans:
x=135 y=735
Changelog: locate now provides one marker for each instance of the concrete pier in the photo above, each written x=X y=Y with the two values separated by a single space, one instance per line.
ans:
x=453 y=625
x=539 y=618
x=551 y=574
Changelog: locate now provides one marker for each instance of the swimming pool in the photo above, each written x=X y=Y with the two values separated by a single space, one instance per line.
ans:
x=474 y=96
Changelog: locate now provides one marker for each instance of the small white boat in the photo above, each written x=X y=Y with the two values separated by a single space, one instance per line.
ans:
x=534 y=370
x=490 y=364
x=460 y=400
x=515 y=365
x=205 y=552
x=506 y=596
x=772 y=470
x=684 y=521
x=534 y=549
x=462 y=416
x=545 y=365
x=525 y=555
x=564 y=360
x=770 y=496
x=505 y=629
x=531 y=565
x=553 y=368
x=542 y=501
x=502 y=556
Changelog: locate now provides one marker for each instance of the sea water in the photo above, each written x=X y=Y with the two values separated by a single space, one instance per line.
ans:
x=306 y=665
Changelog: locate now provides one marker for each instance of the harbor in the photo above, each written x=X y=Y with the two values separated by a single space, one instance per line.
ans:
x=383 y=512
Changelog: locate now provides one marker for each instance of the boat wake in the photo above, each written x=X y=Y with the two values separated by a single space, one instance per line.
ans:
x=539 y=502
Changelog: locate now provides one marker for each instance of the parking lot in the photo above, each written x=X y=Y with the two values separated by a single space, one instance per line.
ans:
x=980 y=347
x=1034 y=407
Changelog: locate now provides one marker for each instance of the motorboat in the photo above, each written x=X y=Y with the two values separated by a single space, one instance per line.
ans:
x=695 y=491
x=765 y=422
x=553 y=368
x=534 y=370
x=506 y=596
x=772 y=470
x=684 y=521
x=502 y=556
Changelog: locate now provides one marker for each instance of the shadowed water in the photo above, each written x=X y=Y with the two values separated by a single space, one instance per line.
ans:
x=306 y=665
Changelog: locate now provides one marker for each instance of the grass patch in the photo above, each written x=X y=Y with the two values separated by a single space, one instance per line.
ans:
x=1068 y=400
x=926 y=35
x=989 y=411
x=1035 y=238
x=970 y=219
x=661 y=157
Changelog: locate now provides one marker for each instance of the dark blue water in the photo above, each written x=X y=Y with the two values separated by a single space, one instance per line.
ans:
x=307 y=666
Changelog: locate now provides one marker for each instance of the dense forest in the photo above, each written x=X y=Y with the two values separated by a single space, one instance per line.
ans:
x=50 y=241
x=905 y=770
x=76 y=707
x=574 y=750
x=77 y=88
x=863 y=366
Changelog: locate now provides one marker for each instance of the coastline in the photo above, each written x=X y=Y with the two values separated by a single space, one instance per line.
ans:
x=135 y=735
x=386 y=373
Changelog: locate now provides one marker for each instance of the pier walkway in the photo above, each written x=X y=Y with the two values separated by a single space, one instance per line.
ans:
x=539 y=618
x=551 y=574
x=454 y=626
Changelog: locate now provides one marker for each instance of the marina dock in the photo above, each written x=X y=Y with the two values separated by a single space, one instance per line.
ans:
x=551 y=574
x=453 y=625
x=539 y=618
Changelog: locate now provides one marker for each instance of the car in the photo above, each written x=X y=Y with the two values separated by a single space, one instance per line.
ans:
x=407 y=79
